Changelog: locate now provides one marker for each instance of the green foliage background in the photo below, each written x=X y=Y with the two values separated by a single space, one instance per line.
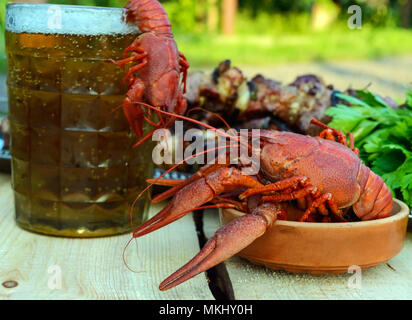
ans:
x=274 y=31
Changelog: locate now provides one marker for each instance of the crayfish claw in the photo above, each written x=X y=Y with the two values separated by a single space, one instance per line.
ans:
x=227 y=241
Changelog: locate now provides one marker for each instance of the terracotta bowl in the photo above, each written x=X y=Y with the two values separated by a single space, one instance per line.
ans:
x=327 y=247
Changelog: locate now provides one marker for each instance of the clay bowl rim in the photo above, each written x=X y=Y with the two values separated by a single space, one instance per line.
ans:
x=399 y=215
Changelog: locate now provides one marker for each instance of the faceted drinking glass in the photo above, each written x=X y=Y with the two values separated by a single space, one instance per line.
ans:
x=74 y=171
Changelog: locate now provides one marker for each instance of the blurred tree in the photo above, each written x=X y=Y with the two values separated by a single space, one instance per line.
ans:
x=272 y=6
x=324 y=13
x=406 y=12
x=212 y=15
x=229 y=8
x=101 y=3
x=28 y=1
x=201 y=12
x=182 y=13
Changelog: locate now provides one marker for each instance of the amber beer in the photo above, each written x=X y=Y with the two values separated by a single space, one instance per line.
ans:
x=74 y=171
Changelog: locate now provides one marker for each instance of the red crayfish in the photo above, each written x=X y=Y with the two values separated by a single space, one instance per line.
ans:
x=324 y=177
x=154 y=55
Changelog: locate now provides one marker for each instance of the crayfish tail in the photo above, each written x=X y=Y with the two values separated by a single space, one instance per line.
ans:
x=149 y=15
x=375 y=199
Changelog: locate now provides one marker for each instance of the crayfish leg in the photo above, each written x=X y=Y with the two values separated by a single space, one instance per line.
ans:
x=333 y=134
x=277 y=186
x=184 y=66
x=132 y=70
x=318 y=202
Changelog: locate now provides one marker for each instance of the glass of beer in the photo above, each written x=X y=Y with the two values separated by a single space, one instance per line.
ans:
x=74 y=171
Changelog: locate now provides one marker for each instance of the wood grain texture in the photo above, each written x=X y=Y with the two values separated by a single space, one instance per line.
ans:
x=93 y=268
x=391 y=280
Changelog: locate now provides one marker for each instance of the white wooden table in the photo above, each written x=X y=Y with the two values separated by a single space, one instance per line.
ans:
x=94 y=269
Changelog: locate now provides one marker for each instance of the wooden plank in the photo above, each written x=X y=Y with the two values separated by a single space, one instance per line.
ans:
x=392 y=280
x=93 y=268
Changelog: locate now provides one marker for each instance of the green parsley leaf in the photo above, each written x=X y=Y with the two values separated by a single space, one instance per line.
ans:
x=382 y=135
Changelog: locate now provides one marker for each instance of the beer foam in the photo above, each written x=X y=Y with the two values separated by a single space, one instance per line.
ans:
x=65 y=19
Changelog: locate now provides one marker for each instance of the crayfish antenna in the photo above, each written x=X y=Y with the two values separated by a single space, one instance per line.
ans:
x=166 y=182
